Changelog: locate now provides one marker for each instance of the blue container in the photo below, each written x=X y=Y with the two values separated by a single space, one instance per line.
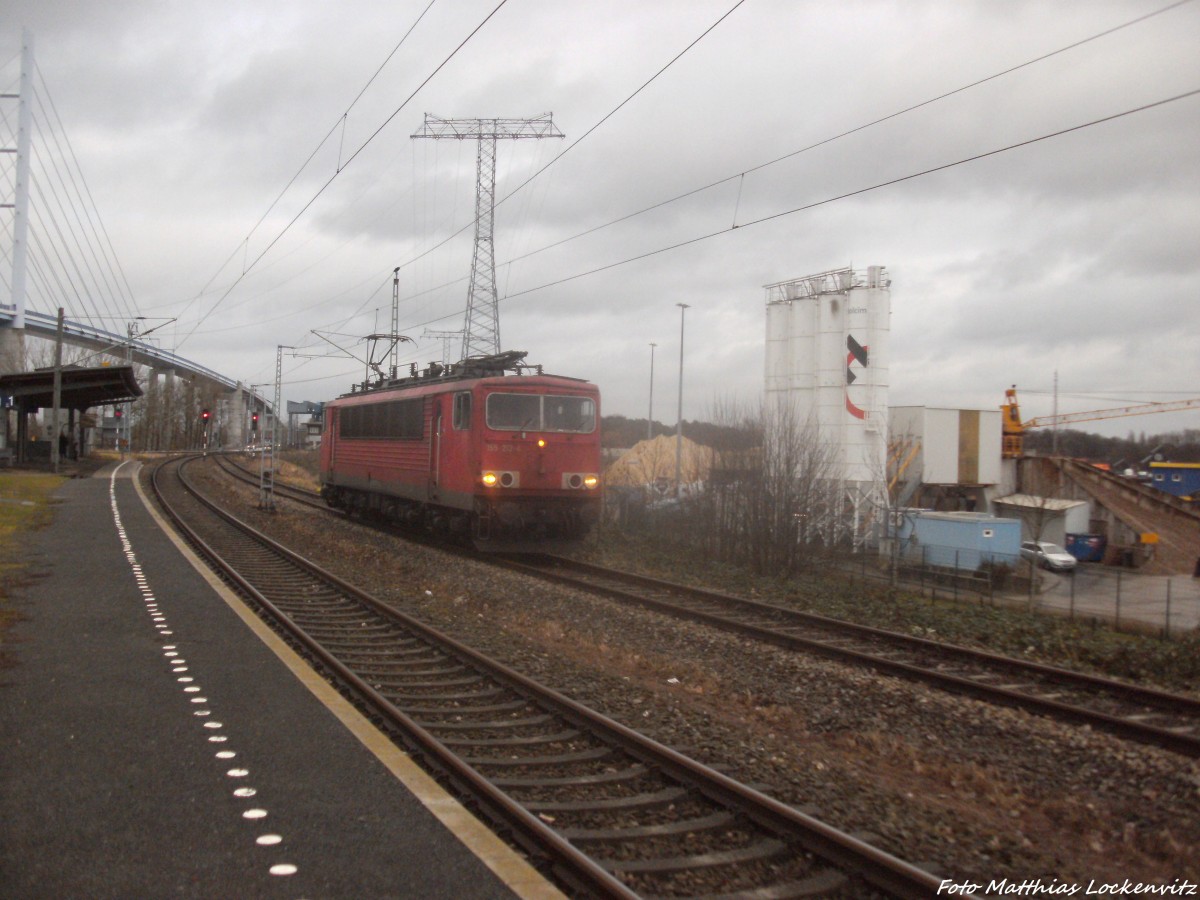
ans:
x=1087 y=547
x=965 y=540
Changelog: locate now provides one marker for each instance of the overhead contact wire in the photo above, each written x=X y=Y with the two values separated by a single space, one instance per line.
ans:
x=585 y=135
x=793 y=153
x=855 y=193
x=340 y=122
x=855 y=130
x=351 y=159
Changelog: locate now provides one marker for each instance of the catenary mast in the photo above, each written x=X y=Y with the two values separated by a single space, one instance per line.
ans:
x=481 y=329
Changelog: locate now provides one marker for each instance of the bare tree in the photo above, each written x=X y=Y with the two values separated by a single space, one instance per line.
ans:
x=769 y=491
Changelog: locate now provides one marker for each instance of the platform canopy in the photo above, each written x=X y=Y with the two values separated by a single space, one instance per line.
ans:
x=81 y=388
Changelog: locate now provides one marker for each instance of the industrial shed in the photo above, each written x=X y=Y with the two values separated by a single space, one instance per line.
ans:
x=1045 y=518
x=949 y=459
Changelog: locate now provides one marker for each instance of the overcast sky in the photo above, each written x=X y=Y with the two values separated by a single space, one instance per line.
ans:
x=1079 y=254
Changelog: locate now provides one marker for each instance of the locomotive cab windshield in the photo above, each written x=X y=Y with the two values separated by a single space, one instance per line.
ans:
x=541 y=412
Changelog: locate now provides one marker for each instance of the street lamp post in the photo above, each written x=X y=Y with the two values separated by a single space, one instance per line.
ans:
x=650 y=414
x=683 y=307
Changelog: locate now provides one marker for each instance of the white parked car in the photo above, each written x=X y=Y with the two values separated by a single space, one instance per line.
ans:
x=1049 y=556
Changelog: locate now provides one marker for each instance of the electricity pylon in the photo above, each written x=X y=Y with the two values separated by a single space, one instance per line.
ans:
x=481 y=329
x=446 y=338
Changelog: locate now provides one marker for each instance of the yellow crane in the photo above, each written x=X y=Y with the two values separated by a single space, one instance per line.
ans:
x=1014 y=429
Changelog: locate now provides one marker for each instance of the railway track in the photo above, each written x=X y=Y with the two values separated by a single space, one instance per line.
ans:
x=1150 y=716
x=228 y=464
x=611 y=812
x=1146 y=715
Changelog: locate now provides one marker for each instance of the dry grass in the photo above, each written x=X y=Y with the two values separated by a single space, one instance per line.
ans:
x=299 y=468
x=26 y=504
x=1141 y=658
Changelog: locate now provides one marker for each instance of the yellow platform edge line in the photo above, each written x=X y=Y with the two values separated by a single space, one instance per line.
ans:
x=507 y=865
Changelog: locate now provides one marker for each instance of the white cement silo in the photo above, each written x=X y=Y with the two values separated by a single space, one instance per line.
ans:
x=827 y=357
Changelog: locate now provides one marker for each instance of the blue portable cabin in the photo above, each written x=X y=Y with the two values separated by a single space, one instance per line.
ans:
x=1180 y=479
x=962 y=540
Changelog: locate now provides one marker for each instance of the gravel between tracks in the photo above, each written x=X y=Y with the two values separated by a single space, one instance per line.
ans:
x=973 y=791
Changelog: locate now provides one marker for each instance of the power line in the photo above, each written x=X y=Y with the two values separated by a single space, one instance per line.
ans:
x=586 y=134
x=837 y=137
x=304 y=165
x=571 y=146
x=778 y=159
x=858 y=192
x=978 y=82
x=343 y=167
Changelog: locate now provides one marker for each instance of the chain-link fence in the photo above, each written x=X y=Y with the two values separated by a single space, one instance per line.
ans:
x=1166 y=604
x=1122 y=598
x=943 y=571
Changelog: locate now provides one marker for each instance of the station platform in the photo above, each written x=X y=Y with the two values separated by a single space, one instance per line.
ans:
x=156 y=740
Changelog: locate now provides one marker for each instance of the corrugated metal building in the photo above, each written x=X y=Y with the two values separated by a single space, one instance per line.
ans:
x=951 y=456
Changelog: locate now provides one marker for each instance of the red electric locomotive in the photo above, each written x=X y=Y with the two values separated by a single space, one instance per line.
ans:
x=487 y=448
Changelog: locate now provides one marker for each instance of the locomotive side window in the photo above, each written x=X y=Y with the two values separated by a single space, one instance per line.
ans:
x=408 y=420
x=395 y=420
x=462 y=411
x=533 y=412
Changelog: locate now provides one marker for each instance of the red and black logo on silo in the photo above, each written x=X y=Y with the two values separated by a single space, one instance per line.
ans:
x=857 y=354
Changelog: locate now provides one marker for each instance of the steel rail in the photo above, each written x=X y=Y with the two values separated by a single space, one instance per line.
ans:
x=875 y=866
x=291 y=492
x=581 y=870
x=1169 y=703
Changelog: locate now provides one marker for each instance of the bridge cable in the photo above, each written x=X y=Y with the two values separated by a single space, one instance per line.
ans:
x=98 y=227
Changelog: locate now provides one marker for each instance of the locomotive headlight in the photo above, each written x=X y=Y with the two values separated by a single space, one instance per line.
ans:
x=489 y=479
x=580 y=480
x=541 y=442
x=503 y=479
